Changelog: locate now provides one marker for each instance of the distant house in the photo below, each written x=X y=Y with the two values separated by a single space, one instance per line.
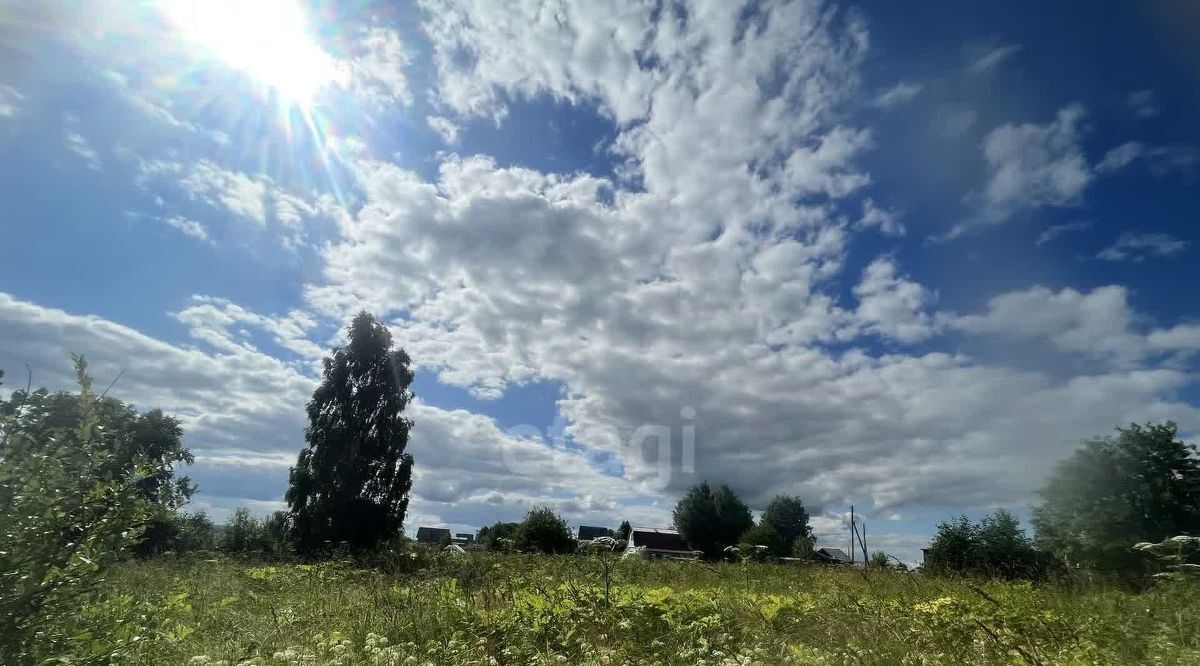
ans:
x=831 y=556
x=432 y=535
x=463 y=539
x=587 y=532
x=658 y=542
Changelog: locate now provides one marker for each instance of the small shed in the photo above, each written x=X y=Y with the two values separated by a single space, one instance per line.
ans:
x=432 y=535
x=589 y=532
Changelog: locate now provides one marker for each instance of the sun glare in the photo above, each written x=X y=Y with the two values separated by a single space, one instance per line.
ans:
x=266 y=39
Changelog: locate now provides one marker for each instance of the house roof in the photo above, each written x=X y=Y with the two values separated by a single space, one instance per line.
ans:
x=657 y=538
x=836 y=554
x=589 y=532
x=432 y=534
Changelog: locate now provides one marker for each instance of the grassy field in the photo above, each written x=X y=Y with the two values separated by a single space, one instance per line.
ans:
x=492 y=609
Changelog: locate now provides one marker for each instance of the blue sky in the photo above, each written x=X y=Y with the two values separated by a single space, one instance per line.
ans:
x=902 y=257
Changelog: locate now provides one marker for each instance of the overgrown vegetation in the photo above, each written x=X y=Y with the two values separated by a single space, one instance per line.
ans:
x=489 y=608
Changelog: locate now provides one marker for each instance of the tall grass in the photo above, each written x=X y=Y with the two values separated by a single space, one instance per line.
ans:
x=512 y=609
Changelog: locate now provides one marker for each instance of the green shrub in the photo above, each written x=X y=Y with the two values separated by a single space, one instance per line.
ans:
x=69 y=508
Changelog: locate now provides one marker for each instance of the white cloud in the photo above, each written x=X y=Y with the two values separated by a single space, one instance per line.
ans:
x=887 y=221
x=987 y=59
x=378 y=71
x=10 y=102
x=1057 y=230
x=248 y=198
x=891 y=305
x=1030 y=166
x=79 y=145
x=898 y=95
x=187 y=227
x=706 y=274
x=1135 y=246
x=445 y=128
x=1142 y=103
x=1160 y=159
x=243 y=416
x=1099 y=324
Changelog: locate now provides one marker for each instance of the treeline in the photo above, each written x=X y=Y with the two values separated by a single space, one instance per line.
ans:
x=1103 y=509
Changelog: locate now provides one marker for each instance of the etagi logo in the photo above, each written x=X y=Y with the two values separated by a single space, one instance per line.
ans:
x=646 y=452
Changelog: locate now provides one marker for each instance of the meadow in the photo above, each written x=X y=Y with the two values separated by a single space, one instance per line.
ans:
x=488 y=608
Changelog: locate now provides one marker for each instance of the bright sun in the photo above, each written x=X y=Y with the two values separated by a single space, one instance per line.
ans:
x=267 y=39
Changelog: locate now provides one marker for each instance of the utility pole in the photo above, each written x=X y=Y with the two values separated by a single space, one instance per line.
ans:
x=853 y=532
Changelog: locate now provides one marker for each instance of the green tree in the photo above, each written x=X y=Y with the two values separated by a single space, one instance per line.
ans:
x=953 y=547
x=711 y=521
x=879 y=559
x=351 y=484
x=243 y=534
x=623 y=531
x=1143 y=485
x=500 y=536
x=130 y=435
x=194 y=532
x=803 y=547
x=995 y=546
x=544 y=531
x=788 y=520
x=69 y=508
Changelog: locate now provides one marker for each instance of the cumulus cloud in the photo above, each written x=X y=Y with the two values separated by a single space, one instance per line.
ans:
x=1100 y=324
x=243 y=416
x=378 y=70
x=1136 y=246
x=891 y=305
x=252 y=199
x=1029 y=166
x=704 y=278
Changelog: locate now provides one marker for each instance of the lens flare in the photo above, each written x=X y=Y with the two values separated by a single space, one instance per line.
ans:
x=267 y=39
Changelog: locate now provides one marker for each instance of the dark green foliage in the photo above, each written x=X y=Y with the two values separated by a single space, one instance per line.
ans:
x=784 y=521
x=246 y=535
x=623 y=531
x=544 y=531
x=763 y=534
x=351 y=483
x=500 y=536
x=1142 y=485
x=803 y=547
x=879 y=559
x=128 y=435
x=995 y=546
x=194 y=532
x=243 y=534
x=711 y=521
x=71 y=504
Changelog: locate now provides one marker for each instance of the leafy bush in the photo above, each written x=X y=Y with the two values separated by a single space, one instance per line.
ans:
x=544 y=531
x=70 y=506
x=995 y=546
